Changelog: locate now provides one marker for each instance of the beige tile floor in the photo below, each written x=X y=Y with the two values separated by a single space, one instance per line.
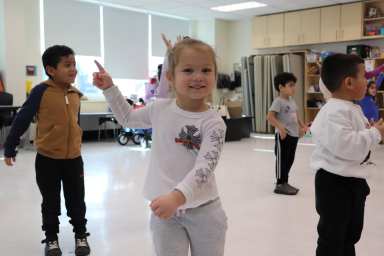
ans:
x=260 y=222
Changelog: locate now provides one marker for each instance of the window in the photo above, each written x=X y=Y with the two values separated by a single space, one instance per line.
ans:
x=131 y=88
x=85 y=67
x=84 y=37
x=126 y=43
x=123 y=40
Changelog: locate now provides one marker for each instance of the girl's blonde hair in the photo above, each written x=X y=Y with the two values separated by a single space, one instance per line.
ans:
x=175 y=52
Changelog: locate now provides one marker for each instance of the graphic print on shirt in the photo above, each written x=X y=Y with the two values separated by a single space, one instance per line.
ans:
x=190 y=138
x=212 y=157
x=291 y=112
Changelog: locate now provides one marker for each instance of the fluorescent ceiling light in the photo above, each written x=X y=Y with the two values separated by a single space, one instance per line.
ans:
x=237 y=7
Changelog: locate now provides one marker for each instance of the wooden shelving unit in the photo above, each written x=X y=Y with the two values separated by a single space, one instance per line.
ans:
x=380 y=102
x=371 y=64
x=314 y=75
x=380 y=93
x=372 y=37
x=312 y=92
x=374 y=19
x=373 y=24
x=375 y=59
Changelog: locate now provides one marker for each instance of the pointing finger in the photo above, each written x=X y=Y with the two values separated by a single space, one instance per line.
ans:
x=163 y=37
x=99 y=66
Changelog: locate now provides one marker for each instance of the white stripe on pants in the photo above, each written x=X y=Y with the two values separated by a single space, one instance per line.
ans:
x=278 y=156
x=202 y=229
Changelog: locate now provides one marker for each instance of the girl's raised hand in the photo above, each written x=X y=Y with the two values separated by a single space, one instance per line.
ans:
x=102 y=79
x=167 y=42
x=179 y=38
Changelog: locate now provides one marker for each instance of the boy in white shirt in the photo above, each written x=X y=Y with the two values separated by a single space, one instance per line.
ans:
x=344 y=140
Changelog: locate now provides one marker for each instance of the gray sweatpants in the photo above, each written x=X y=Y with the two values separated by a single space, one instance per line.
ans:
x=202 y=229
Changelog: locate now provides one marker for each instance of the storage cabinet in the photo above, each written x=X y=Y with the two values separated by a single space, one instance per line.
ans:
x=275 y=29
x=302 y=27
x=310 y=26
x=268 y=31
x=341 y=22
x=351 y=22
x=330 y=23
x=259 y=32
x=292 y=28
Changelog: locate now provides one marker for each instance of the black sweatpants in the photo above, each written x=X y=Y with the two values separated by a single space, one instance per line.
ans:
x=50 y=173
x=340 y=203
x=285 y=151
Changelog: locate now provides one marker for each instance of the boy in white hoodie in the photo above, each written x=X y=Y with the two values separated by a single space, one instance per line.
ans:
x=344 y=140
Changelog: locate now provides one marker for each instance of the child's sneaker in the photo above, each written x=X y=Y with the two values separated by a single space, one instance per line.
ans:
x=292 y=187
x=52 y=248
x=82 y=247
x=284 y=189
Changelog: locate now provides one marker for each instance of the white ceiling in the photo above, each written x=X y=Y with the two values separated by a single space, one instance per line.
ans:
x=200 y=9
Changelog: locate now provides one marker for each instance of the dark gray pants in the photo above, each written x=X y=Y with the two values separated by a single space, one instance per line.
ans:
x=340 y=203
x=50 y=173
x=285 y=151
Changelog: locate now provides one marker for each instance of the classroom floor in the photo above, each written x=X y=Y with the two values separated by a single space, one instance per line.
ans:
x=260 y=222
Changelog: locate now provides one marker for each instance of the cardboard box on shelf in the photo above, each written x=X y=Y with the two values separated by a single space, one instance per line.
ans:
x=235 y=108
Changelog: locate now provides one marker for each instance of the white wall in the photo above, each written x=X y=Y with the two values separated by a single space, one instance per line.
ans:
x=22 y=45
x=222 y=45
x=204 y=30
x=240 y=40
x=214 y=32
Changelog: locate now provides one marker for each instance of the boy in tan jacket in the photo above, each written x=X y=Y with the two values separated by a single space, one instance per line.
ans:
x=55 y=104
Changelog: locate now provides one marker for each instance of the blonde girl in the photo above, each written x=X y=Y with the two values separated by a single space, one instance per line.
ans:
x=187 y=141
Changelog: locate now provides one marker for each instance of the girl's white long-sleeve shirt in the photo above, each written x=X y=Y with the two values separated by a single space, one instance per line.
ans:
x=185 y=150
x=343 y=139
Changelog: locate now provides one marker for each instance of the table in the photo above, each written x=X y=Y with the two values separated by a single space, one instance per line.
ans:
x=90 y=121
x=9 y=108
x=7 y=114
x=238 y=128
